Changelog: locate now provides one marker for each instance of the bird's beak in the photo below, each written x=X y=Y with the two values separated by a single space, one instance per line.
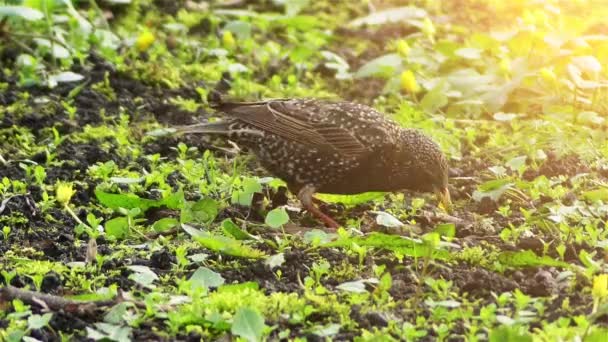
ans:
x=443 y=196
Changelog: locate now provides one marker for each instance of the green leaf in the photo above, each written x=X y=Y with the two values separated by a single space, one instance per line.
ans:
x=143 y=275
x=385 y=66
x=357 y=286
x=248 y=324
x=517 y=163
x=165 y=224
x=127 y=201
x=493 y=189
x=406 y=246
x=24 y=12
x=276 y=218
x=116 y=315
x=173 y=201
x=241 y=29
x=235 y=231
x=275 y=260
x=249 y=187
x=600 y=194
x=205 y=278
x=351 y=200
x=203 y=211
x=435 y=99
x=227 y=245
x=507 y=333
x=387 y=220
x=39 y=321
x=117 y=227
x=131 y=201
x=446 y=229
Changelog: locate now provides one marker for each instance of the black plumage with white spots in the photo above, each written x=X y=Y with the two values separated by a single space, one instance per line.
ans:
x=332 y=147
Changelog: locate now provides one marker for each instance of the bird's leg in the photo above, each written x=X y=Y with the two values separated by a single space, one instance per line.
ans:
x=305 y=196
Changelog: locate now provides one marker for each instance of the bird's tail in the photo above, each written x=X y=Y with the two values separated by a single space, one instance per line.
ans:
x=219 y=127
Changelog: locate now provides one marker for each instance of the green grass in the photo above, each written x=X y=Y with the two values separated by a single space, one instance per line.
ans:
x=178 y=237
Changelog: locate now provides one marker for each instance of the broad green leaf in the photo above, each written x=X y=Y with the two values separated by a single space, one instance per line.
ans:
x=39 y=321
x=131 y=201
x=24 y=12
x=143 y=275
x=174 y=200
x=406 y=246
x=387 y=220
x=517 y=163
x=226 y=245
x=203 y=211
x=241 y=29
x=126 y=201
x=275 y=260
x=277 y=217
x=507 y=333
x=165 y=224
x=357 y=286
x=117 y=227
x=205 y=278
x=248 y=324
x=599 y=194
x=435 y=98
x=66 y=77
x=235 y=231
x=116 y=315
x=250 y=285
x=398 y=14
x=493 y=189
x=351 y=200
x=385 y=65
x=446 y=229
x=249 y=187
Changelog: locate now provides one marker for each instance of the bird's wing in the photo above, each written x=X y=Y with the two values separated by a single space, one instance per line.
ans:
x=300 y=121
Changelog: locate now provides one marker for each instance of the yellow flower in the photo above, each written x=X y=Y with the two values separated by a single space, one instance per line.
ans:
x=403 y=48
x=600 y=286
x=63 y=193
x=144 y=41
x=548 y=75
x=409 y=83
x=228 y=40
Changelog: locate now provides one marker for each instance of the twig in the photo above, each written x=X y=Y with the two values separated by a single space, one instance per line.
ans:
x=438 y=216
x=57 y=303
x=52 y=302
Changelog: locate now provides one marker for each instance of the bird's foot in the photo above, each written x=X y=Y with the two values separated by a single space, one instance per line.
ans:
x=308 y=201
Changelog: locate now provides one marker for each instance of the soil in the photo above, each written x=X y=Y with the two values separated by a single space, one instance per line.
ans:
x=54 y=235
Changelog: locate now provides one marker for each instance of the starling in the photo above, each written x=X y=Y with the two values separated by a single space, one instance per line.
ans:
x=334 y=147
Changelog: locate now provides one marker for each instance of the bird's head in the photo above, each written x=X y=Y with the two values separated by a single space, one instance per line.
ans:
x=426 y=167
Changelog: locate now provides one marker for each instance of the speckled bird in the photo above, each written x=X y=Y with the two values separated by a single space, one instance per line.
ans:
x=334 y=147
